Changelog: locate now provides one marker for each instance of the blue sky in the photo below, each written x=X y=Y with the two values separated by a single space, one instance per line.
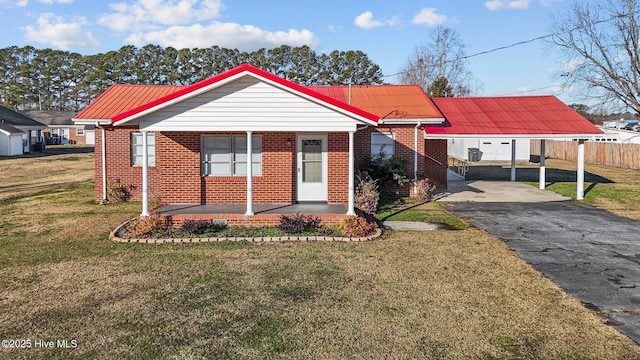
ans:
x=388 y=31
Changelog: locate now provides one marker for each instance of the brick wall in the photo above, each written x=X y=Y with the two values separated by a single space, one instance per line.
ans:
x=181 y=181
x=119 y=164
x=436 y=149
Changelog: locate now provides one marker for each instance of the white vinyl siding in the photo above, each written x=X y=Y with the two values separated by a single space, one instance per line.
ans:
x=136 y=149
x=224 y=155
x=383 y=142
x=248 y=104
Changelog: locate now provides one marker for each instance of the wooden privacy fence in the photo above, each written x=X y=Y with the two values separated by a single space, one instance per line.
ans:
x=599 y=153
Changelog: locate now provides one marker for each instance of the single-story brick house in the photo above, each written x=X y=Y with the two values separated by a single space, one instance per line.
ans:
x=188 y=146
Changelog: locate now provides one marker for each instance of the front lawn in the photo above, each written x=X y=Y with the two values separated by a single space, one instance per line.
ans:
x=410 y=209
x=434 y=295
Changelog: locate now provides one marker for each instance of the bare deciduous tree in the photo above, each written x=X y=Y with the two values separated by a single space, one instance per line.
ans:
x=600 y=42
x=441 y=58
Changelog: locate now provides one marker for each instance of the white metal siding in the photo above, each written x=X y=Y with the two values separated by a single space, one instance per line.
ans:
x=247 y=104
x=490 y=148
x=10 y=145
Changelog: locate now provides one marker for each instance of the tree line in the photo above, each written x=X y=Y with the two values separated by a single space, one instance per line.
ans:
x=46 y=79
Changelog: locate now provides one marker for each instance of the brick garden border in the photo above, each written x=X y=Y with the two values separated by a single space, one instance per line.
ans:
x=256 y=239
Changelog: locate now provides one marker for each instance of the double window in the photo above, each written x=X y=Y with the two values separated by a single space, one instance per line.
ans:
x=136 y=149
x=227 y=155
x=382 y=143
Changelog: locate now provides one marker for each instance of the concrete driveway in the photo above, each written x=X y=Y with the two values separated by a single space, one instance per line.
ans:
x=591 y=254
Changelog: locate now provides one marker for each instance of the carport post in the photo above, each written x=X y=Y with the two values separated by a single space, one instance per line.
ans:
x=543 y=175
x=580 y=172
x=513 y=159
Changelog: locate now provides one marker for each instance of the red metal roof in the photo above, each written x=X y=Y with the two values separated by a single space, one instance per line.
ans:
x=386 y=101
x=512 y=115
x=122 y=97
x=243 y=69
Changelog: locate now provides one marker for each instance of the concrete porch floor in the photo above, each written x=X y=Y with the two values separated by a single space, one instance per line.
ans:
x=258 y=209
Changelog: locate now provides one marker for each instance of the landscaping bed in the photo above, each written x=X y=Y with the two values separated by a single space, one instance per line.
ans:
x=291 y=227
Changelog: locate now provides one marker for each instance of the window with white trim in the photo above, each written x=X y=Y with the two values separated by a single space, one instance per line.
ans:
x=383 y=143
x=80 y=131
x=136 y=149
x=224 y=155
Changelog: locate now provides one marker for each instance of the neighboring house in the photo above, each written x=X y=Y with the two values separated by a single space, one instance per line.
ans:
x=303 y=144
x=60 y=128
x=16 y=128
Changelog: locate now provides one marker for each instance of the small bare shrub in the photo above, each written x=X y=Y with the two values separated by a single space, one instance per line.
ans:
x=297 y=224
x=367 y=195
x=356 y=226
x=118 y=192
x=424 y=189
x=145 y=227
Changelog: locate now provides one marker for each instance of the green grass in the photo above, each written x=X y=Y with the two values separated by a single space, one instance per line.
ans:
x=434 y=295
x=407 y=209
x=617 y=192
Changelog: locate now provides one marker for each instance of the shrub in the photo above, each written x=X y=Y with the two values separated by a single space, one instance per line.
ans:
x=146 y=226
x=118 y=192
x=389 y=172
x=199 y=227
x=424 y=189
x=367 y=195
x=356 y=226
x=297 y=224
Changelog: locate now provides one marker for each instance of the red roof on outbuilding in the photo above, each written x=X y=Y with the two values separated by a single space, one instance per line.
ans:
x=515 y=116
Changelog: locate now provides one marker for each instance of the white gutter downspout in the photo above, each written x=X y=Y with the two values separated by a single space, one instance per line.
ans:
x=415 y=158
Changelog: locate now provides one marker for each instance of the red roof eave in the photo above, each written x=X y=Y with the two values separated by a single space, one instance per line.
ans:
x=236 y=71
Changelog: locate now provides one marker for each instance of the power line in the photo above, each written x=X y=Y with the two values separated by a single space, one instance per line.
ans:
x=516 y=43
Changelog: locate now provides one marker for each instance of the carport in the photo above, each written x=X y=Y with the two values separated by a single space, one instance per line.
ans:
x=516 y=118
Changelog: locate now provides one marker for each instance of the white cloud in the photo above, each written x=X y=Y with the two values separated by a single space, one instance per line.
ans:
x=53 y=30
x=227 y=35
x=515 y=4
x=150 y=14
x=365 y=21
x=23 y=3
x=429 y=17
x=56 y=1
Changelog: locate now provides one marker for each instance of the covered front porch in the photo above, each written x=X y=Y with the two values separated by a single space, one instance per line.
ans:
x=235 y=214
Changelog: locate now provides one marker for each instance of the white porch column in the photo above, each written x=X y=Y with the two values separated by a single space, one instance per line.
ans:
x=145 y=175
x=580 y=172
x=249 y=211
x=513 y=159
x=543 y=176
x=103 y=148
x=351 y=203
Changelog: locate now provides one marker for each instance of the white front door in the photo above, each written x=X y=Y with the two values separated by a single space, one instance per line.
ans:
x=312 y=167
